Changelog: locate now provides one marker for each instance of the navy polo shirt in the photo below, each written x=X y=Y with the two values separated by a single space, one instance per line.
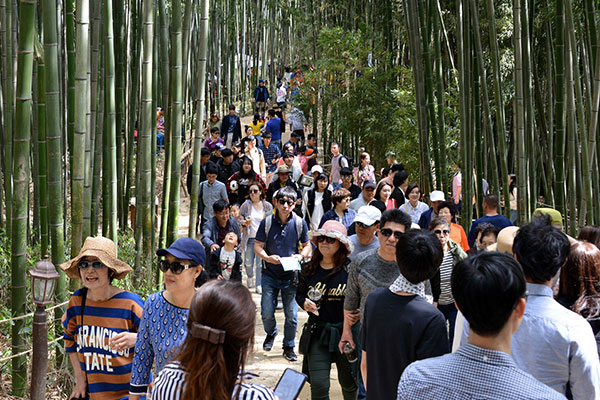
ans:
x=283 y=241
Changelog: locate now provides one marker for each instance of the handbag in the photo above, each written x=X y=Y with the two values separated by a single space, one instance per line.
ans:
x=307 y=330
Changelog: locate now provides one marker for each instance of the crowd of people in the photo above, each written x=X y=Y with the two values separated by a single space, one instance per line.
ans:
x=405 y=302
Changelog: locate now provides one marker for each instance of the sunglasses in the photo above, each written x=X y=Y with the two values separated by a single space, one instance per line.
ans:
x=330 y=240
x=388 y=232
x=365 y=226
x=445 y=232
x=284 y=202
x=93 y=264
x=175 y=267
x=254 y=191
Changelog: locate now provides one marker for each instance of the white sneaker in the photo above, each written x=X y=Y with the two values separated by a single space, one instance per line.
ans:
x=250 y=283
x=259 y=289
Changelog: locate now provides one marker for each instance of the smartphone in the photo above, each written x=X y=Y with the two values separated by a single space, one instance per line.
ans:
x=290 y=384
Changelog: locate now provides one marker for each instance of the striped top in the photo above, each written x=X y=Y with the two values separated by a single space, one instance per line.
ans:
x=170 y=383
x=108 y=372
x=445 y=275
x=162 y=329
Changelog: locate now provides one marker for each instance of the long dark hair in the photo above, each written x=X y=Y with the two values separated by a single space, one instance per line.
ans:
x=579 y=279
x=212 y=369
x=250 y=175
x=340 y=260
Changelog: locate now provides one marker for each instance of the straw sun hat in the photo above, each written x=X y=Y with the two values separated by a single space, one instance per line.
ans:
x=104 y=250
x=333 y=229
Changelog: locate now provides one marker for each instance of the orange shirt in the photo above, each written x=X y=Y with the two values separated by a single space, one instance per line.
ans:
x=458 y=235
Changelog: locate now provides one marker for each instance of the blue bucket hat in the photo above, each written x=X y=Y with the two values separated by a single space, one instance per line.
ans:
x=185 y=249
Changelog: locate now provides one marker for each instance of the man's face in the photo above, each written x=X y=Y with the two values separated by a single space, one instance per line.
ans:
x=435 y=205
x=222 y=216
x=335 y=149
x=487 y=240
x=228 y=160
x=346 y=181
x=232 y=112
x=365 y=233
x=284 y=206
x=294 y=139
x=261 y=84
x=204 y=159
x=211 y=178
x=368 y=194
x=267 y=141
x=387 y=239
x=283 y=176
x=312 y=142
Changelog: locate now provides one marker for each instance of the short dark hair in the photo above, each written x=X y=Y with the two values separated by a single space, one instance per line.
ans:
x=345 y=171
x=311 y=136
x=419 y=255
x=450 y=206
x=271 y=113
x=215 y=129
x=486 y=229
x=204 y=152
x=322 y=177
x=396 y=216
x=339 y=195
x=400 y=178
x=267 y=135
x=231 y=107
x=226 y=153
x=486 y=288
x=211 y=168
x=288 y=154
x=541 y=249
x=220 y=205
x=491 y=200
x=590 y=233
x=396 y=167
x=288 y=192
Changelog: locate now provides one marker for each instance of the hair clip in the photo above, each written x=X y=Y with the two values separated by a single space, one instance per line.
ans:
x=215 y=336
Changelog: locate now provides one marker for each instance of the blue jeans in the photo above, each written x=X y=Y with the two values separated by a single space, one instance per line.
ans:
x=268 y=302
x=449 y=311
x=252 y=261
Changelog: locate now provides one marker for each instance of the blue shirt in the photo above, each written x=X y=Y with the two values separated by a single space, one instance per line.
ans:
x=555 y=345
x=346 y=220
x=471 y=373
x=274 y=126
x=499 y=221
x=283 y=241
x=270 y=153
x=162 y=329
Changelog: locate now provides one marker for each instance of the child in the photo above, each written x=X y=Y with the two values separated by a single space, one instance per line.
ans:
x=225 y=262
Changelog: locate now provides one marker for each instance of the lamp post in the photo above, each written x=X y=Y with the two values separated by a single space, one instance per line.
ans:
x=43 y=283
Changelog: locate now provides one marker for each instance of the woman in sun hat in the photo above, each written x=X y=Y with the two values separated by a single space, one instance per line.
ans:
x=101 y=322
x=321 y=292
x=163 y=324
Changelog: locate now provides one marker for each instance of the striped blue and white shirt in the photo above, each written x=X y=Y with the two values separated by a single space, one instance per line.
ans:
x=171 y=380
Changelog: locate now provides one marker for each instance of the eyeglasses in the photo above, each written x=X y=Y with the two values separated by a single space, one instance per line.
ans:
x=346 y=177
x=175 y=267
x=365 y=226
x=388 y=232
x=439 y=232
x=284 y=202
x=93 y=264
x=254 y=191
x=330 y=240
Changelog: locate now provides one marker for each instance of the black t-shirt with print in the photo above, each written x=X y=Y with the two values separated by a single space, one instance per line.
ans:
x=333 y=289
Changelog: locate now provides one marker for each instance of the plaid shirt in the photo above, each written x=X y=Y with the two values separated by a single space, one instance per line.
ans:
x=270 y=154
x=471 y=373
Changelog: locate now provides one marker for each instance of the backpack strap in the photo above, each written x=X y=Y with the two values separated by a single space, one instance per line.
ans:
x=268 y=222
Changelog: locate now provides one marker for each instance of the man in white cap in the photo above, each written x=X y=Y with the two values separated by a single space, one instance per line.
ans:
x=366 y=196
x=365 y=224
x=435 y=199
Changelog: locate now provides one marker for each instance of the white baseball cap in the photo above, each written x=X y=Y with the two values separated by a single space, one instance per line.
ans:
x=436 y=195
x=368 y=215
x=316 y=168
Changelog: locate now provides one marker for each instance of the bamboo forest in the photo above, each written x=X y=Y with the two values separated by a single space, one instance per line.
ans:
x=506 y=91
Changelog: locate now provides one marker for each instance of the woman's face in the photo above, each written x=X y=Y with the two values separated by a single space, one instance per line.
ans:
x=366 y=161
x=445 y=213
x=185 y=280
x=215 y=135
x=442 y=232
x=289 y=149
x=94 y=278
x=249 y=131
x=344 y=204
x=386 y=192
x=328 y=249
x=254 y=193
x=414 y=195
x=247 y=166
x=251 y=143
x=322 y=184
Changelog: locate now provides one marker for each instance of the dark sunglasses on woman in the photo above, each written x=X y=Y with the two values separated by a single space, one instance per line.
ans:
x=175 y=267
x=438 y=232
x=87 y=264
x=330 y=240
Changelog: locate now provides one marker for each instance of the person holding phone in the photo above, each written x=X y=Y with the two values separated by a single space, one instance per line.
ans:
x=163 y=325
x=220 y=333
x=321 y=292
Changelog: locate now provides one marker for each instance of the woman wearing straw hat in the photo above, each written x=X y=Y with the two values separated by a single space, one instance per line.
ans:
x=321 y=292
x=209 y=361
x=163 y=324
x=101 y=322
